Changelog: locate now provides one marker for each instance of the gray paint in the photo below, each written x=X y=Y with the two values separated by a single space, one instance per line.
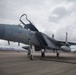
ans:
x=17 y=34
x=2 y=31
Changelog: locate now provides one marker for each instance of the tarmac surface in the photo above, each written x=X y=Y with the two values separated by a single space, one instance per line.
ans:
x=14 y=63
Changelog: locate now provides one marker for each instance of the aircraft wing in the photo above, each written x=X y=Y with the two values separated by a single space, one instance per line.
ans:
x=70 y=43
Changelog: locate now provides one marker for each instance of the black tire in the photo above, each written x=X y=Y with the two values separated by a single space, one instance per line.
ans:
x=43 y=54
x=57 y=54
x=31 y=57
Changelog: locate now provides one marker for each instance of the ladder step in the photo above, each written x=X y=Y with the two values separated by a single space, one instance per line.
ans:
x=41 y=39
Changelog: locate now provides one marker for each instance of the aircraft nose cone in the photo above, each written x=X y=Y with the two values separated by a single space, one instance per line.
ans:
x=2 y=31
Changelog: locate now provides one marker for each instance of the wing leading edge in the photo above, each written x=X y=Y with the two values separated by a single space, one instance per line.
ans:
x=63 y=42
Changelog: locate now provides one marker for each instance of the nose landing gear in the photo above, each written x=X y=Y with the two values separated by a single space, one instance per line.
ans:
x=30 y=53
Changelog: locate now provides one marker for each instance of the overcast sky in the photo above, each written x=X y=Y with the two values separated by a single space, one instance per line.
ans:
x=49 y=16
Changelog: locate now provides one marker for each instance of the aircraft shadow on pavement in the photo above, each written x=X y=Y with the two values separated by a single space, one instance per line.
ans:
x=70 y=60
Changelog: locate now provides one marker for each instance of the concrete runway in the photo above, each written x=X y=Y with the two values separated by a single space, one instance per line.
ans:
x=13 y=63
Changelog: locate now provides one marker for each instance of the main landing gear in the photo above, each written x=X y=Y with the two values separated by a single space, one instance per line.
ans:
x=42 y=53
x=57 y=54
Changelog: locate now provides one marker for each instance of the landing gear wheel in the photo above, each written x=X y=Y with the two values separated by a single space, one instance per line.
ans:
x=28 y=54
x=31 y=57
x=57 y=54
x=43 y=54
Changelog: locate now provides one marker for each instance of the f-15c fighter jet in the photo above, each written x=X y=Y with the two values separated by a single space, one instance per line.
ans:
x=30 y=35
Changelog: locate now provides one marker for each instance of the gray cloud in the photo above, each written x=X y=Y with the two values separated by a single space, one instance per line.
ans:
x=70 y=29
x=70 y=0
x=58 y=13
x=11 y=10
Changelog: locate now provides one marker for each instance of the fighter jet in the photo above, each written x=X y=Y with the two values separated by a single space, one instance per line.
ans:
x=30 y=35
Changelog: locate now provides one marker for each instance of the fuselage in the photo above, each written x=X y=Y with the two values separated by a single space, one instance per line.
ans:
x=17 y=33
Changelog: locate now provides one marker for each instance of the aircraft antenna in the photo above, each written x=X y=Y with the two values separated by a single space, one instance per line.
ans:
x=66 y=40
